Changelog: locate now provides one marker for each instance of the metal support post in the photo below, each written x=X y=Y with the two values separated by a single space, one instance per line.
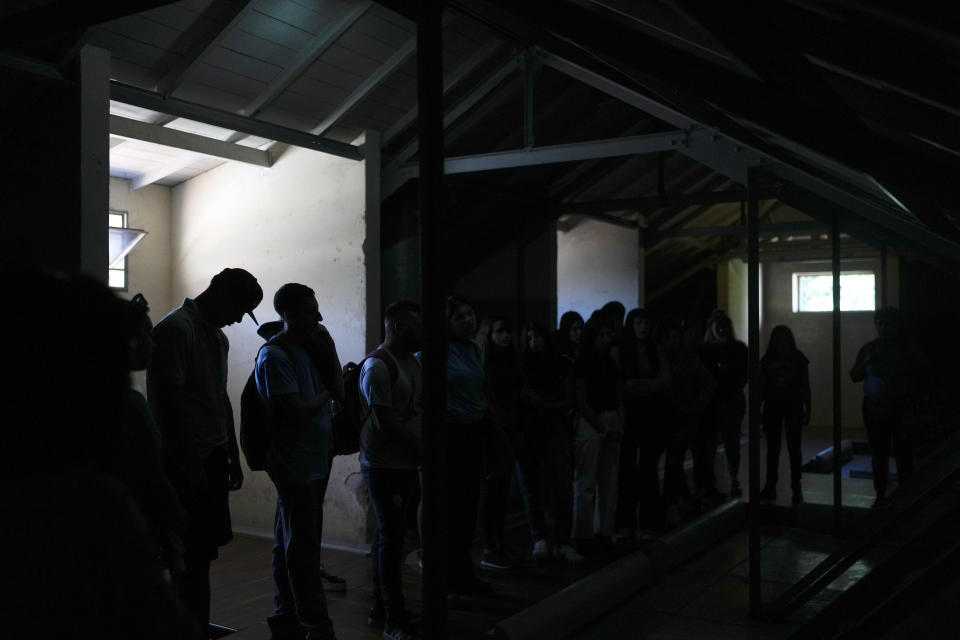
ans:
x=432 y=270
x=753 y=421
x=883 y=275
x=837 y=412
x=641 y=264
x=529 y=113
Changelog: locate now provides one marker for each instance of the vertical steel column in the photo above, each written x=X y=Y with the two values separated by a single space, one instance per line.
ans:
x=753 y=420
x=837 y=413
x=883 y=275
x=432 y=269
x=641 y=263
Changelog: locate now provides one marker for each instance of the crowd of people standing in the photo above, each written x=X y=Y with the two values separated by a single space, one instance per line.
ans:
x=580 y=416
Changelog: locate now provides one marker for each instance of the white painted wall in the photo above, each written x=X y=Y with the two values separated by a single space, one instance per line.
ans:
x=148 y=265
x=302 y=220
x=596 y=263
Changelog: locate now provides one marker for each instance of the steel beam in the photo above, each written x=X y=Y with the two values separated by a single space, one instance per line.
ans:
x=193 y=111
x=465 y=69
x=306 y=57
x=837 y=372
x=558 y=153
x=732 y=157
x=392 y=178
x=127 y=128
x=753 y=414
x=173 y=78
x=373 y=81
x=737 y=230
x=433 y=275
x=665 y=200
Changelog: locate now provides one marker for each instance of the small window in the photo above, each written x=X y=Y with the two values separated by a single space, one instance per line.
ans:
x=117 y=272
x=813 y=292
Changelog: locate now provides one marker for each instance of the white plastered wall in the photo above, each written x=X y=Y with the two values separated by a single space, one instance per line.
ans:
x=148 y=265
x=596 y=263
x=302 y=220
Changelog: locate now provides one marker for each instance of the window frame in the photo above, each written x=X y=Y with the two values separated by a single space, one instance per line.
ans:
x=795 y=289
x=125 y=216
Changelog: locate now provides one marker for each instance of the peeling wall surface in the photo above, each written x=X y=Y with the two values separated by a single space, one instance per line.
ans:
x=302 y=220
x=148 y=265
x=596 y=263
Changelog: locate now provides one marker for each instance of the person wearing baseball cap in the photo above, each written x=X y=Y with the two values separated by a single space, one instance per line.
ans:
x=187 y=391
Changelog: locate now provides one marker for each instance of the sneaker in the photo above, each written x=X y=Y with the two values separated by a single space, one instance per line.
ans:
x=645 y=536
x=540 y=550
x=496 y=560
x=568 y=553
x=769 y=494
x=401 y=631
x=377 y=617
x=331 y=582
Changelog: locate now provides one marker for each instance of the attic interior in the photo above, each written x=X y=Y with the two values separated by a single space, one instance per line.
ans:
x=591 y=150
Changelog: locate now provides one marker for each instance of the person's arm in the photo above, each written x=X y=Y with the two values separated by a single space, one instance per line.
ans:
x=859 y=370
x=234 y=470
x=805 y=384
x=293 y=410
x=584 y=409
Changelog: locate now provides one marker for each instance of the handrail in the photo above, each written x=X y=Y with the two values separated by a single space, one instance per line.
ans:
x=925 y=485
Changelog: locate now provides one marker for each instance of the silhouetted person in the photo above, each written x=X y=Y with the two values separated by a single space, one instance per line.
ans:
x=726 y=357
x=187 y=389
x=468 y=426
x=298 y=463
x=391 y=450
x=786 y=407
x=887 y=368
x=502 y=370
x=80 y=557
x=615 y=311
x=599 y=394
x=646 y=375
x=691 y=390
x=139 y=465
x=544 y=470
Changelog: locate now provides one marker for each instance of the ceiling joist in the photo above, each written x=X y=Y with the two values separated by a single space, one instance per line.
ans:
x=127 y=128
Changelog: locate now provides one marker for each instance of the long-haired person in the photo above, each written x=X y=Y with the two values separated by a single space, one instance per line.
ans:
x=646 y=375
x=599 y=401
x=726 y=357
x=468 y=427
x=786 y=406
x=502 y=370
x=545 y=472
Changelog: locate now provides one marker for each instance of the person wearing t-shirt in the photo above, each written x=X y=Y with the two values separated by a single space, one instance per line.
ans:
x=298 y=463
x=599 y=401
x=888 y=369
x=390 y=453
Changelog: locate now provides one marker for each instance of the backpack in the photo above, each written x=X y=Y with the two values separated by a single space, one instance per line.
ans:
x=349 y=419
x=256 y=418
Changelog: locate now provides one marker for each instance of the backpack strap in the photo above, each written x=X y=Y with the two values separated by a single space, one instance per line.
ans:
x=387 y=359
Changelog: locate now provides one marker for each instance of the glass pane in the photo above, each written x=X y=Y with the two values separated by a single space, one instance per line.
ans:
x=857 y=292
x=117 y=278
x=115 y=220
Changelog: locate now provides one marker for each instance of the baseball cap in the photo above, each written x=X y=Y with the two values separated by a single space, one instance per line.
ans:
x=240 y=285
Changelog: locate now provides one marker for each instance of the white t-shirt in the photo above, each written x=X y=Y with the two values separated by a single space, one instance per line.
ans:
x=379 y=448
